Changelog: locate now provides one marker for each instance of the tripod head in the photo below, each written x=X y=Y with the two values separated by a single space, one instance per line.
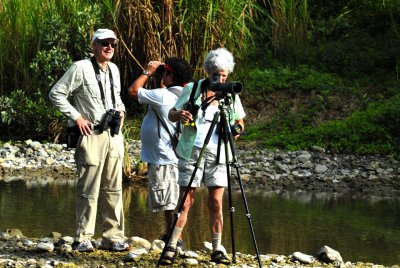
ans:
x=224 y=100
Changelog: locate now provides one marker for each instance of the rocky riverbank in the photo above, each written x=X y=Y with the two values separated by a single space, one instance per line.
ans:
x=55 y=250
x=271 y=170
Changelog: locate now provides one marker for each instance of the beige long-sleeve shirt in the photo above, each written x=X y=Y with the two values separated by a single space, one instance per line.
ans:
x=78 y=93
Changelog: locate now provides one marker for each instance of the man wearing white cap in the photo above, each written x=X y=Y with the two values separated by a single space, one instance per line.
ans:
x=95 y=116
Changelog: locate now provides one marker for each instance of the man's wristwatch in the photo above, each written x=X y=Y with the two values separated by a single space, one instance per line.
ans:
x=145 y=72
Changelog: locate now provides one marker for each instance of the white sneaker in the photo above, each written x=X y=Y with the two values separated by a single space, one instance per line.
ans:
x=119 y=246
x=85 y=246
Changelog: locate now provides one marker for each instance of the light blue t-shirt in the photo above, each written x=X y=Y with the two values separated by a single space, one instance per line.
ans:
x=156 y=142
x=189 y=133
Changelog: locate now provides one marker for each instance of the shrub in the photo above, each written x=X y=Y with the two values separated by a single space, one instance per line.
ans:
x=374 y=131
x=20 y=112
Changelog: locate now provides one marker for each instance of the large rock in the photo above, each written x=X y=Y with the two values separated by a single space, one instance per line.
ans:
x=329 y=255
x=138 y=243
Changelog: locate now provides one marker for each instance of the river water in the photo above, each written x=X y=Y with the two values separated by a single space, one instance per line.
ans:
x=361 y=229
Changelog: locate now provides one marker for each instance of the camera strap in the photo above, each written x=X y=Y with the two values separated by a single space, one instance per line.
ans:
x=171 y=136
x=97 y=72
x=194 y=89
x=204 y=86
x=162 y=123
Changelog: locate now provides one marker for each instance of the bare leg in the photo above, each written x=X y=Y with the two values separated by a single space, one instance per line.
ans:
x=181 y=222
x=215 y=197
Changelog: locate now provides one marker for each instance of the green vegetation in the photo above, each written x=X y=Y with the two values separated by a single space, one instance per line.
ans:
x=38 y=42
x=374 y=130
x=314 y=73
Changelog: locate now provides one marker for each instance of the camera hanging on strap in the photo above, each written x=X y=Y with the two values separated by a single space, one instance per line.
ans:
x=112 y=118
x=190 y=105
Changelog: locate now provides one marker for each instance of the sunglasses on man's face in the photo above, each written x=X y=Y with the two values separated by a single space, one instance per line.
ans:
x=106 y=44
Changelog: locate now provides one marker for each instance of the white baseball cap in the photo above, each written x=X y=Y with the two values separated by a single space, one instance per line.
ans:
x=103 y=34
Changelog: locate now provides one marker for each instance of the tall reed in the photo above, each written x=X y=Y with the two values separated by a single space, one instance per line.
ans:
x=33 y=26
x=186 y=28
x=291 y=21
x=392 y=9
x=19 y=19
x=147 y=30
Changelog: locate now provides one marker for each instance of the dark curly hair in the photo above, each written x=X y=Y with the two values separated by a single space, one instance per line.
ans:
x=183 y=71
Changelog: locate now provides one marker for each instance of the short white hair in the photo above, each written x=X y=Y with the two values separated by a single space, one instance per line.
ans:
x=219 y=59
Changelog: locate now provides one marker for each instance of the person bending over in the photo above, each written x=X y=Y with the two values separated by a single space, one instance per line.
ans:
x=219 y=63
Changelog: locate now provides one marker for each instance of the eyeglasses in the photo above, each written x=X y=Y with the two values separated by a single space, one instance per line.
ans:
x=106 y=44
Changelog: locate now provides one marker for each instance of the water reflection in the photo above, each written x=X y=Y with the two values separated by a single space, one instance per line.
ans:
x=360 y=229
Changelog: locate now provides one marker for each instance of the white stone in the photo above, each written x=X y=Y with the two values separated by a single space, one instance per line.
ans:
x=296 y=173
x=139 y=251
x=279 y=259
x=46 y=240
x=28 y=243
x=301 y=257
x=303 y=158
x=190 y=254
x=68 y=239
x=209 y=248
x=43 y=153
x=208 y=245
x=319 y=169
x=136 y=241
x=157 y=245
x=191 y=262
x=4 y=236
x=28 y=142
x=45 y=246
x=131 y=257
x=31 y=262
x=36 y=146
x=8 y=263
x=307 y=164
x=66 y=248
x=50 y=161
x=7 y=145
x=264 y=257
x=316 y=148
x=284 y=168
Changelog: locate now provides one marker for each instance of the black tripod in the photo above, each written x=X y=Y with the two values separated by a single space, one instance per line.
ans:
x=225 y=135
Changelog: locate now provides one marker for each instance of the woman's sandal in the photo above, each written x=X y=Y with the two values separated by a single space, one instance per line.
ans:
x=219 y=257
x=167 y=258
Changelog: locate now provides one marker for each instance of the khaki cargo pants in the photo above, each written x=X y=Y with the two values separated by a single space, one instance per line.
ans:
x=99 y=165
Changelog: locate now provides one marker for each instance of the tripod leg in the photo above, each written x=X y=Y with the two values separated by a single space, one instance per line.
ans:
x=182 y=202
x=224 y=135
x=236 y=166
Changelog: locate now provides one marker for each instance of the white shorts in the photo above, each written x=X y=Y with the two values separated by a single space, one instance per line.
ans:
x=163 y=187
x=209 y=172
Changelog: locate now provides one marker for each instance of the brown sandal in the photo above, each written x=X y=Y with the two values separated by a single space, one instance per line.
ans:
x=219 y=258
x=168 y=259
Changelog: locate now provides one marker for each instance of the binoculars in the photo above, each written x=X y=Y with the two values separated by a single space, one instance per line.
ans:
x=112 y=121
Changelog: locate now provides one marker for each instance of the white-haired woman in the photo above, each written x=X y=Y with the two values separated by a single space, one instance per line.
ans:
x=218 y=64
